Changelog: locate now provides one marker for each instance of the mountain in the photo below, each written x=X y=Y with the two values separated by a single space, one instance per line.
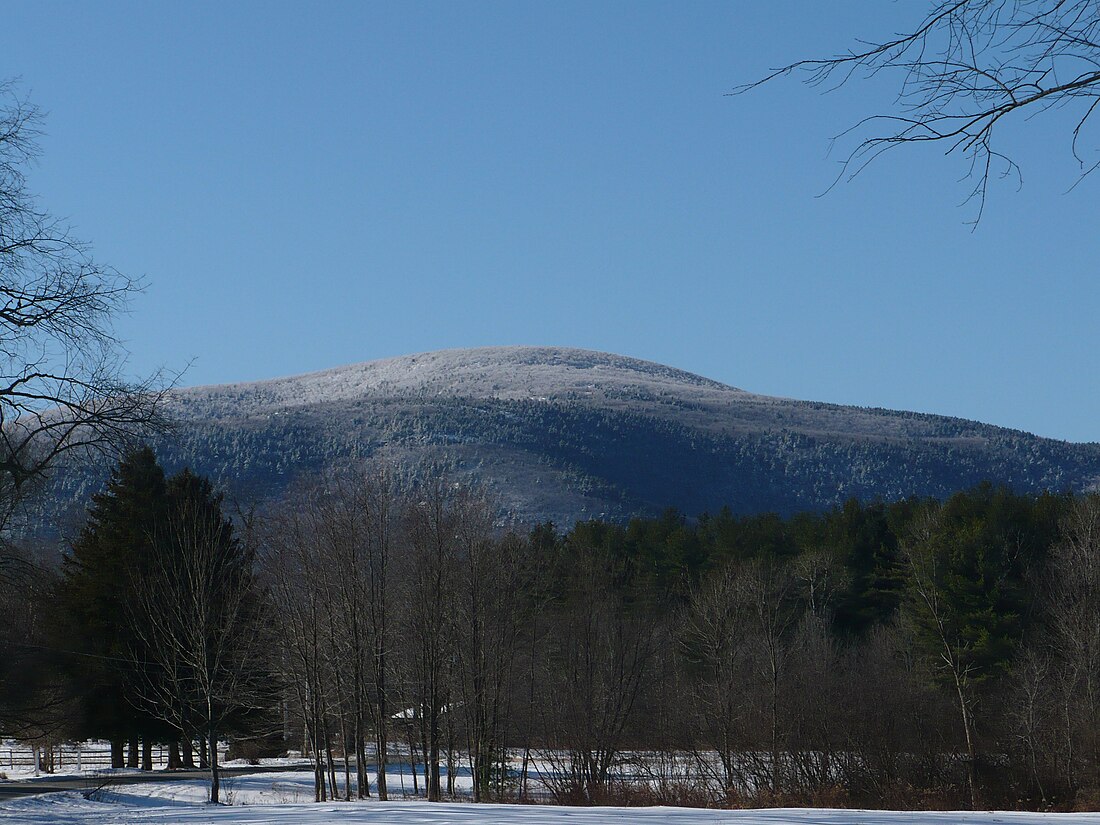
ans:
x=564 y=434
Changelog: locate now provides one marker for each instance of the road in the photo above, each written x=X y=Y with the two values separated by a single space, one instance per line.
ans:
x=12 y=790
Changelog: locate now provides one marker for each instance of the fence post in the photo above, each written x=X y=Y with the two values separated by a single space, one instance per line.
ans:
x=79 y=760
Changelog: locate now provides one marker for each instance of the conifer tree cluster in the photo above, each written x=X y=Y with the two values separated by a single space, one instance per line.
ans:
x=157 y=614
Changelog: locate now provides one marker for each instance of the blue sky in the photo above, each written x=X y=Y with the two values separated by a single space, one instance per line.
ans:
x=309 y=185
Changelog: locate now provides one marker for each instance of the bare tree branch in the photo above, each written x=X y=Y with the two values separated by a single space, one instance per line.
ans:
x=963 y=70
x=62 y=384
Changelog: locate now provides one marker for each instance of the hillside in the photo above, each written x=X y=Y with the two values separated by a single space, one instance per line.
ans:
x=564 y=434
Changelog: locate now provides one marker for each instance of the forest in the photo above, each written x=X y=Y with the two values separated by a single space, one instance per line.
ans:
x=914 y=653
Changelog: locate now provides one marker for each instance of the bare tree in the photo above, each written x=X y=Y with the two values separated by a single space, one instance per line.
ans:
x=738 y=632
x=62 y=385
x=818 y=734
x=1031 y=713
x=602 y=651
x=431 y=558
x=335 y=537
x=768 y=593
x=349 y=518
x=379 y=507
x=1074 y=637
x=61 y=366
x=896 y=727
x=302 y=590
x=200 y=621
x=715 y=643
x=489 y=595
x=965 y=70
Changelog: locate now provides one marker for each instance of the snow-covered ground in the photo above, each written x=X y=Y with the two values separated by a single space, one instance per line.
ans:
x=134 y=809
x=283 y=799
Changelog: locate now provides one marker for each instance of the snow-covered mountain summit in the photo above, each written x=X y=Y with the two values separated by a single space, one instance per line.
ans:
x=503 y=373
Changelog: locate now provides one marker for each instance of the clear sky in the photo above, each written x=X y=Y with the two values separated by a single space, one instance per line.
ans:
x=314 y=184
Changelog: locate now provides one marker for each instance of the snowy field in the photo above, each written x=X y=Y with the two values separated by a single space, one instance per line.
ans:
x=282 y=799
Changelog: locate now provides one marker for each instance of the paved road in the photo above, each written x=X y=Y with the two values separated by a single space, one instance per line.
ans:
x=11 y=790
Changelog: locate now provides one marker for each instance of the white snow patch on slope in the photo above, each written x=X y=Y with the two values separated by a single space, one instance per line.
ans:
x=517 y=373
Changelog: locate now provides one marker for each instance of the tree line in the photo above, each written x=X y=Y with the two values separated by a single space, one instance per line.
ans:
x=914 y=653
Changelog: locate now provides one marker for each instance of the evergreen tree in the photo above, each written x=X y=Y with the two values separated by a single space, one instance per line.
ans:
x=96 y=597
x=863 y=538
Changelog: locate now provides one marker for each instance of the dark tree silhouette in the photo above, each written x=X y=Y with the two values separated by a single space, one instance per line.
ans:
x=94 y=601
x=198 y=620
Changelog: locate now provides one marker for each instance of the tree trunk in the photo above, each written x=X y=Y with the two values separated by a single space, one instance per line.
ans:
x=432 y=780
x=174 y=756
x=1070 y=752
x=215 y=777
x=118 y=758
x=333 y=794
x=412 y=759
x=132 y=757
x=380 y=682
x=971 y=776
x=523 y=773
x=318 y=762
x=188 y=753
x=362 y=786
x=347 y=763
x=146 y=754
x=775 y=728
x=450 y=764
x=320 y=790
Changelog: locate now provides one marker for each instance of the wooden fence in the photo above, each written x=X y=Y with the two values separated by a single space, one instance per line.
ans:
x=69 y=758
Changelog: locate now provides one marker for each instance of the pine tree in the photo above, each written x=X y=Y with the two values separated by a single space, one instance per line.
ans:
x=96 y=597
x=862 y=536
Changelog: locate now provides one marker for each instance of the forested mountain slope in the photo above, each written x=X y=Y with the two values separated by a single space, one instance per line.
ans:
x=564 y=434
